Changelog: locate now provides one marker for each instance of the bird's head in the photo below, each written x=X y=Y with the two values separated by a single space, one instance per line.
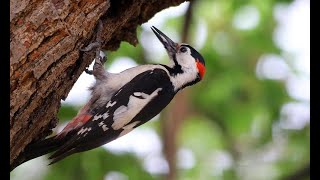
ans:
x=185 y=59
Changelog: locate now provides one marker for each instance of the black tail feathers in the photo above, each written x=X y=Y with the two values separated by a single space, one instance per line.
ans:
x=37 y=149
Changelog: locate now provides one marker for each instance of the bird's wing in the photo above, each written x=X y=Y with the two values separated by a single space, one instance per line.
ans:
x=132 y=105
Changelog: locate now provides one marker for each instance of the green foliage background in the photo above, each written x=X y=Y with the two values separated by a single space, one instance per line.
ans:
x=238 y=114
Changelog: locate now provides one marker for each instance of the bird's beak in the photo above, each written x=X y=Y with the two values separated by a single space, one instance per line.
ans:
x=170 y=46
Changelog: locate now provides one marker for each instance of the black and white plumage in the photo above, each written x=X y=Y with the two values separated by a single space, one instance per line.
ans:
x=123 y=101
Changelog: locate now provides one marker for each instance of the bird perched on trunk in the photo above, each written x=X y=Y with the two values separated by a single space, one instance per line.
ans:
x=123 y=101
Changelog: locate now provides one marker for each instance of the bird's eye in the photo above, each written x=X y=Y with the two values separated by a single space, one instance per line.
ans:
x=183 y=49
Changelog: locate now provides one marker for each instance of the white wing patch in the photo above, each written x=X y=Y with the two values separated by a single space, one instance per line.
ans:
x=111 y=104
x=128 y=128
x=84 y=130
x=96 y=117
x=137 y=93
x=118 y=92
x=124 y=114
x=141 y=94
x=101 y=123
x=119 y=111
x=121 y=117
x=105 y=115
x=103 y=126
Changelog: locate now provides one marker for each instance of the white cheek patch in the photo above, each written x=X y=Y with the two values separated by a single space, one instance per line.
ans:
x=124 y=114
x=189 y=75
x=128 y=128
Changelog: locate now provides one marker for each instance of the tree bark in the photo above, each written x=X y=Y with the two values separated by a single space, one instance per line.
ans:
x=45 y=61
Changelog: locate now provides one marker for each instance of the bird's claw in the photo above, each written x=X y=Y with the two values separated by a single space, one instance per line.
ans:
x=91 y=46
x=100 y=60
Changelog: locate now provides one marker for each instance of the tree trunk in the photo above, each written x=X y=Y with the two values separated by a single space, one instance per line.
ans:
x=45 y=61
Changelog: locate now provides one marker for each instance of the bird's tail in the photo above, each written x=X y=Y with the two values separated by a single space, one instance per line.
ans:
x=37 y=149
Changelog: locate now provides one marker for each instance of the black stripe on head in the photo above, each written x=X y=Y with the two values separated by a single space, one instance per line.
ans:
x=173 y=71
x=177 y=68
x=195 y=54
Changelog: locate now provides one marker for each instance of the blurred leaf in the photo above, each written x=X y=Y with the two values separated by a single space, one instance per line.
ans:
x=67 y=112
x=95 y=164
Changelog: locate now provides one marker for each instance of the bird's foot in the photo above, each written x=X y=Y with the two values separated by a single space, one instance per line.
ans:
x=97 y=47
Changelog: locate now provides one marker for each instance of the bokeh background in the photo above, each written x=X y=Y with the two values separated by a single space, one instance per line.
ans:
x=248 y=119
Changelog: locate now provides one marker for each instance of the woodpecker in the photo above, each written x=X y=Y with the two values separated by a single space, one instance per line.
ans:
x=123 y=101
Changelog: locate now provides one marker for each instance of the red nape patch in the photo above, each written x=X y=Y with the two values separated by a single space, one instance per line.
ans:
x=201 y=69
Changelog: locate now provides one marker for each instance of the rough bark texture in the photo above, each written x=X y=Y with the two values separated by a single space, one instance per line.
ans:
x=45 y=61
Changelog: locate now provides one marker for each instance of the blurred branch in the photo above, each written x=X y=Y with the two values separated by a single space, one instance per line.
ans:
x=230 y=144
x=229 y=141
x=173 y=120
x=187 y=22
x=179 y=110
